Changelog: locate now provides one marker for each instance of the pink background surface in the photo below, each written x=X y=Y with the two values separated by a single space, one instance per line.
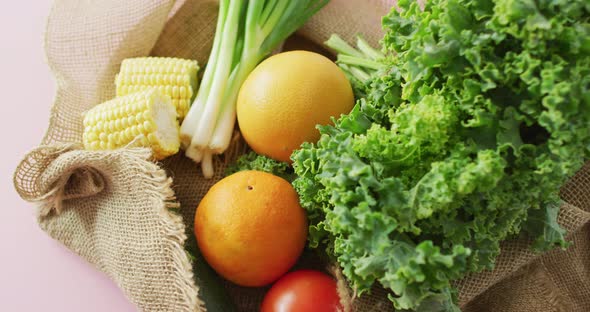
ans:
x=36 y=272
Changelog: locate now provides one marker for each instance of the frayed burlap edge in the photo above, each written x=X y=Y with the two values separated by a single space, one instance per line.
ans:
x=154 y=182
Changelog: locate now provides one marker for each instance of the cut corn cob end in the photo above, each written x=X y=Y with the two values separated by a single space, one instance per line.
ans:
x=174 y=77
x=144 y=119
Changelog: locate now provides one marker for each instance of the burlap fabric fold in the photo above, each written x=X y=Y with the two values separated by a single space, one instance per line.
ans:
x=130 y=217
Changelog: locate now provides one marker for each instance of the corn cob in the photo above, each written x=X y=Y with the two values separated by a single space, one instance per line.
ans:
x=145 y=118
x=172 y=76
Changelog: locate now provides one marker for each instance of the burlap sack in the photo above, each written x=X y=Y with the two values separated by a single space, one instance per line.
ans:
x=119 y=210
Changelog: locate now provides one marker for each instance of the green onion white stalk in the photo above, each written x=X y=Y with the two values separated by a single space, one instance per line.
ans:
x=247 y=32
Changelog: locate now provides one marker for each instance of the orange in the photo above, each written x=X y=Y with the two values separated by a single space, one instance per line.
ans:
x=250 y=227
x=286 y=96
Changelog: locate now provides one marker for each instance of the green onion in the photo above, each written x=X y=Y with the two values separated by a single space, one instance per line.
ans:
x=356 y=63
x=246 y=33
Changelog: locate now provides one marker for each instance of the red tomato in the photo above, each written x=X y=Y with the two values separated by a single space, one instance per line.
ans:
x=303 y=291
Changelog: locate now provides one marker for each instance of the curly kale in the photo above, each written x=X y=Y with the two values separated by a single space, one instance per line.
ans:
x=478 y=114
x=253 y=161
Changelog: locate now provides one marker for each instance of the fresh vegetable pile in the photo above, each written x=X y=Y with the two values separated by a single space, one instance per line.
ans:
x=466 y=124
x=250 y=227
x=478 y=115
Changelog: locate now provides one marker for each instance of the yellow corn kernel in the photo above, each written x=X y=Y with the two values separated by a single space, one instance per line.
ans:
x=145 y=118
x=174 y=77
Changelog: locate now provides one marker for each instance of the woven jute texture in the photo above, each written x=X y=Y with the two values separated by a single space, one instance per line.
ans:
x=130 y=217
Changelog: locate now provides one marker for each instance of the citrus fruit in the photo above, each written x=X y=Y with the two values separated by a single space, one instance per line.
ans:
x=250 y=227
x=286 y=96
